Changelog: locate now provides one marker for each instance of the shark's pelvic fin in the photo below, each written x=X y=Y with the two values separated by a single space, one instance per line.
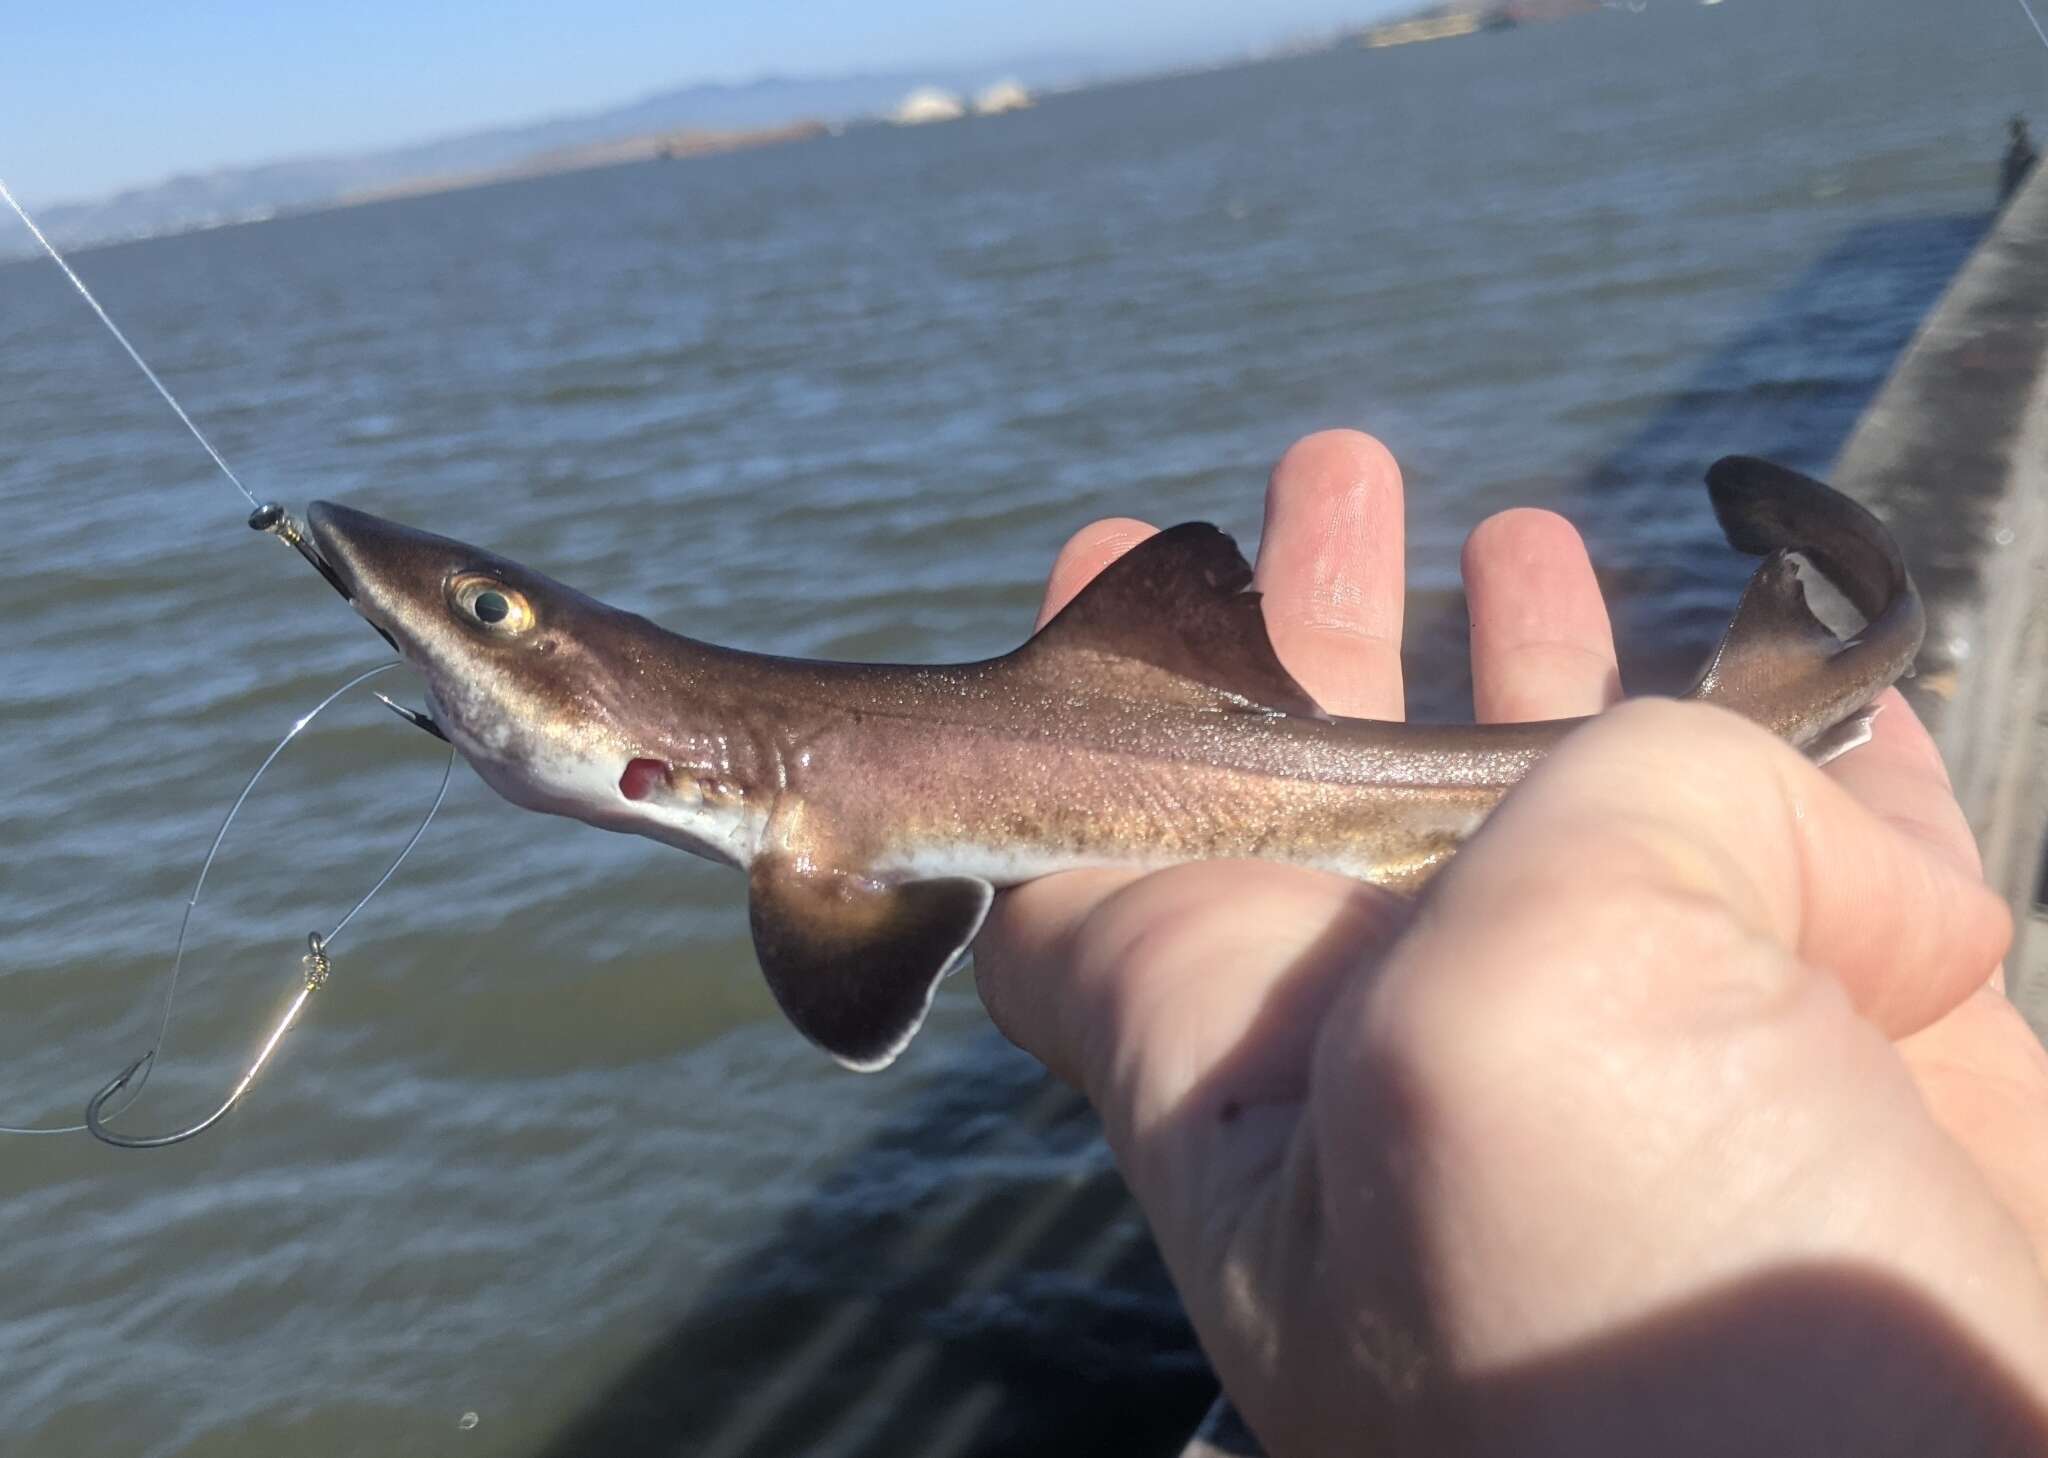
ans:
x=1852 y=733
x=1172 y=619
x=854 y=962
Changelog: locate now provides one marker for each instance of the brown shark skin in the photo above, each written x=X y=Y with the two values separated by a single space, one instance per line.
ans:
x=860 y=765
x=917 y=758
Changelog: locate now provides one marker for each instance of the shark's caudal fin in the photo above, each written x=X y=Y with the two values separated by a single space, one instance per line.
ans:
x=1764 y=508
x=1172 y=619
x=1778 y=663
x=854 y=963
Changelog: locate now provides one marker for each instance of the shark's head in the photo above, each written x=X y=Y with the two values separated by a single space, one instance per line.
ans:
x=554 y=697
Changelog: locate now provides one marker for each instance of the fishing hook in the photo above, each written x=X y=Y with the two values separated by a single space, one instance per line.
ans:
x=274 y=520
x=315 y=966
x=411 y=716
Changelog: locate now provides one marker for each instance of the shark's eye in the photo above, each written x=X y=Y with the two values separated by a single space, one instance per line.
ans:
x=490 y=604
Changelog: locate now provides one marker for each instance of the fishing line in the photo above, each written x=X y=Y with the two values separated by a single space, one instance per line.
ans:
x=115 y=329
x=127 y=1086
x=120 y=1094
x=2036 y=20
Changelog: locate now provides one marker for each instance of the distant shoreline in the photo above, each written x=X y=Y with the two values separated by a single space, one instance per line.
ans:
x=299 y=187
x=657 y=146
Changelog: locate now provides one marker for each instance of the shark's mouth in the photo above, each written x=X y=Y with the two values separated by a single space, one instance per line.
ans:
x=278 y=522
x=275 y=520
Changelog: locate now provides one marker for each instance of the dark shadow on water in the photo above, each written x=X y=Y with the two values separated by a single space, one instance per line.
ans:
x=975 y=1279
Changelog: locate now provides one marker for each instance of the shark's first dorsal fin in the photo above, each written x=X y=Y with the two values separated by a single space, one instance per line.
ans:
x=1175 y=618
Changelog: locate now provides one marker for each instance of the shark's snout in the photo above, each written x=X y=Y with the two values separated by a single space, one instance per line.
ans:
x=391 y=574
x=334 y=529
x=324 y=543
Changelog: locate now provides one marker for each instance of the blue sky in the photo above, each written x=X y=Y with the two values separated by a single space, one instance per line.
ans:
x=102 y=95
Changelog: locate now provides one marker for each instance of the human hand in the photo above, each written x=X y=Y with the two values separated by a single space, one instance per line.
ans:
x=1684 y=1113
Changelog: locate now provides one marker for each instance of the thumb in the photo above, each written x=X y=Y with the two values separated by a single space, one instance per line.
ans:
x=1693 y=801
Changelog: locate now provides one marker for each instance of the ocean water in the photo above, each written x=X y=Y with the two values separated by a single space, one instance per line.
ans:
x=543 y=1173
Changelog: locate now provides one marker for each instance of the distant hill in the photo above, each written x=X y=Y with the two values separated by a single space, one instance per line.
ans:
x=232 y=194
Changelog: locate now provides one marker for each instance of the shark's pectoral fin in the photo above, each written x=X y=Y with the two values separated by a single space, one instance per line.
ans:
x=854 y=962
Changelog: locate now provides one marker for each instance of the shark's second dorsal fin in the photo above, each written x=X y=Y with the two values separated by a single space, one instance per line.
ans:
x=1774 y=641
x=1175 y=618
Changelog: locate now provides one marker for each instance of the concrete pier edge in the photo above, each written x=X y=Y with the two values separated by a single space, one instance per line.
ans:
x=1953 y=454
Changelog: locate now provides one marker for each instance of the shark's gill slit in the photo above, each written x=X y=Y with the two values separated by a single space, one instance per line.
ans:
x=122 y=1091
x=643 y=777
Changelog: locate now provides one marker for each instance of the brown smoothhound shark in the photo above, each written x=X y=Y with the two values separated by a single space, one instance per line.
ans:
x=877 y=808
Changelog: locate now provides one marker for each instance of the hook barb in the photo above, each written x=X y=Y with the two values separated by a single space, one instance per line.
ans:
x=411 y=716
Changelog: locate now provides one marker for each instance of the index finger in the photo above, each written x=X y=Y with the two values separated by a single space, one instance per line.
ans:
x=1084 y=556
x=1331 y=571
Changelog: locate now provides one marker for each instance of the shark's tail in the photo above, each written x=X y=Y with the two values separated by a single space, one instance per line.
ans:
x=1765 y=508
x=1778 y=663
